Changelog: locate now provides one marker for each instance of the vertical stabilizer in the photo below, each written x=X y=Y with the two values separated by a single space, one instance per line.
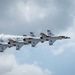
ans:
x=43 y=35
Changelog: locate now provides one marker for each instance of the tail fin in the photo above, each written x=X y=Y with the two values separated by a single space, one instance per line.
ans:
x=43 y=35
x=32 y=34
x=10 y=40
x=50 y=33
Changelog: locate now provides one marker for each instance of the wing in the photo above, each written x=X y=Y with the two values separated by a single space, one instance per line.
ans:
x=51 y=41
x=2 y=48
x=18 y=46
x=50 y=33
x=34 y=43
x=32 y=34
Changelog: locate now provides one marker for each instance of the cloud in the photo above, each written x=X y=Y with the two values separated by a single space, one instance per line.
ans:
x=29 y=70
x=7 y=62
x=66 y=44
x=30 y=11
x=9 y=66
x=35 y=15
x=14 y=37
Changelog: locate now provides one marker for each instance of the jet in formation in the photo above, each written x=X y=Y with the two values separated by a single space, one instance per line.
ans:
x=19 y=41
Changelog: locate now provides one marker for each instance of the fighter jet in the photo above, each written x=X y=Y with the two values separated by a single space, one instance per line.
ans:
x=51 y=37
x=16 y=42
x=4 y=45
x=19 y=41
x=32 y=39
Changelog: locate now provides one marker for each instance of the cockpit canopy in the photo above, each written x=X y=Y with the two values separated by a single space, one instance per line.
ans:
x=62 y=36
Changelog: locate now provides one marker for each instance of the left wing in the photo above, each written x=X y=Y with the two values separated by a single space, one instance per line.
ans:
x=18 y=46
x=34 y=42
x=3 y=47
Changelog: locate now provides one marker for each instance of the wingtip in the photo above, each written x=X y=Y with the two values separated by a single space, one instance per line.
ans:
x=48 y=30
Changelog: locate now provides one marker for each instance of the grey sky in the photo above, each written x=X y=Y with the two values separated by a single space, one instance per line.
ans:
x=56 y=15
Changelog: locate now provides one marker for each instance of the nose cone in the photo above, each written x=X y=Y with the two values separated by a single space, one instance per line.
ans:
x=67 y=37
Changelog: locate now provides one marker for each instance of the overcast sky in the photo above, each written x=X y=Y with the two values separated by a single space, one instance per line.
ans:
x=20 y=17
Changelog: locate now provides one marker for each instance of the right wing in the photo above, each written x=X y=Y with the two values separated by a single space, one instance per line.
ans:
x=32 y=34
x=18 y=46
x=50 y=33
x=2 y=47
x=51 y=41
